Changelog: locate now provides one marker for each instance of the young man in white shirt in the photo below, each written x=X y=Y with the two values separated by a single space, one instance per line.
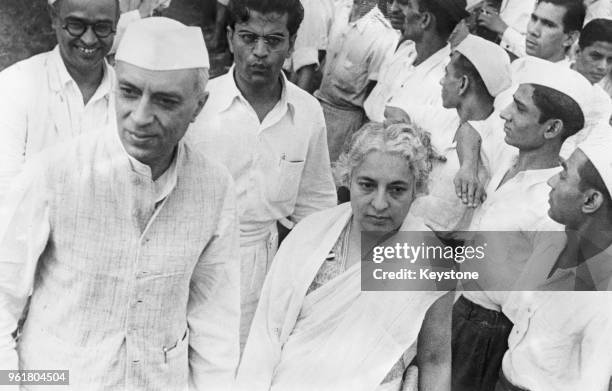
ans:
x=269 y=133
x=549 y=106
x=562 y=338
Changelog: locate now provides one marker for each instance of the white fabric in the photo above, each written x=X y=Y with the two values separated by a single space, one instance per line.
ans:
x=597 y=9
x=281 y=166
x=355 y=53
x=600 y=112
x=311 y=37
x=519 y=206
x=162 y=44
x=516 y=14
x=558 y=77
x=596 y=153
x=560 y=341
x=41 y=105
x=395 y=72
x=115 y=279
x=337 y=337
x=491 y=62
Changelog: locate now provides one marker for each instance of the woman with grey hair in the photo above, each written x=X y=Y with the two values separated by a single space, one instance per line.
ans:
x=314 y=327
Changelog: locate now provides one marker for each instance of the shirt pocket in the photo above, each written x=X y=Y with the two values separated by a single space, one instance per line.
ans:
x=178 y=348
x=286 y=186
x=349 y=76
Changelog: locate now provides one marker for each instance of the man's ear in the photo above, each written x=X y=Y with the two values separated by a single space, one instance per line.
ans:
x=428 y=20
x=465 y=85
x=554 y=128
x=291 y=44
x=52 y=10
x=593 y=201
x=230 y=35
x=201 y=102
x=570 y=38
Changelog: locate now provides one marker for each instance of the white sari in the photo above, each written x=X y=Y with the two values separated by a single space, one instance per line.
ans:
x=337 y=337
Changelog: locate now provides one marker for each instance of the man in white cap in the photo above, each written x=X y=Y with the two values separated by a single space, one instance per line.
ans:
x=562 y=339
x=63 y=93
x=269 y=133
x=127 y=237
x=548 y=107
x=479 y=71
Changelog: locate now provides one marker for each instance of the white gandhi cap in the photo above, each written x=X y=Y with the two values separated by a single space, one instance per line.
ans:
x=560 y=78
x=597 y=149
x=490 y=60
x=162 y=44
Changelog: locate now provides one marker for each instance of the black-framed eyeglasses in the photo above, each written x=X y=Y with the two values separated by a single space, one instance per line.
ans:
x=77 y=27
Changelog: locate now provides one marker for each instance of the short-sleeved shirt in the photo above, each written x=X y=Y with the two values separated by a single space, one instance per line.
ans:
x=355 y=53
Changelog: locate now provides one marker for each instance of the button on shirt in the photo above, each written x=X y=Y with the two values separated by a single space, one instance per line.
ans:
x=40 y=105
x=520 y=207
x=355 y=53
x=280 y=165
x=561 y=341
x=395 y=72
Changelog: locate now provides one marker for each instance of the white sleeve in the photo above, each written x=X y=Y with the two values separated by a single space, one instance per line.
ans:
x=513 y=41
x=24 y=232
x=213 y=311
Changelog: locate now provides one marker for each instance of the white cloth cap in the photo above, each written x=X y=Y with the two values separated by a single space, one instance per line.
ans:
x=597 y=148
x=560 y=78
x=491 y=61
x=163 y=44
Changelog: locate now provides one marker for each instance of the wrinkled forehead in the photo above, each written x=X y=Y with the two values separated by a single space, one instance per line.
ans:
x=178 y=82
x=551 y=12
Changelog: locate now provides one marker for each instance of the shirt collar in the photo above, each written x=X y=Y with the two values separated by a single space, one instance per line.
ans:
x=441 y=57
x=63 y=78
x=163 y=186
x=230 y=93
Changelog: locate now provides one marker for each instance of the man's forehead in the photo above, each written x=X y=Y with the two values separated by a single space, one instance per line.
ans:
x=265 y=23
x=551 y=12
x=88 y=8
x=170 y=82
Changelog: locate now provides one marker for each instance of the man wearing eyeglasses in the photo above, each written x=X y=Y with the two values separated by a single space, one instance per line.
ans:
x=269 y=133
x=60 y=94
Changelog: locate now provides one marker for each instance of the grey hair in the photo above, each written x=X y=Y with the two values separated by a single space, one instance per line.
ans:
x=202 y=80
x=404 y=139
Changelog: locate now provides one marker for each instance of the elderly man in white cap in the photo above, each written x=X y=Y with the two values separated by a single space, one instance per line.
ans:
x=270 y=135
x=562 y=339
x=63 y=93
x=548 y=107
x=128 y=237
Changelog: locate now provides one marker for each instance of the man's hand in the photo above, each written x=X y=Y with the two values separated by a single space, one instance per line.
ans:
x=468 y=187
x=490 y=19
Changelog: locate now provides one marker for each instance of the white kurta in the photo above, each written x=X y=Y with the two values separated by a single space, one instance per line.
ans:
x=280 y=166
x=129 y=291
x=335 y=338
x=40 y=105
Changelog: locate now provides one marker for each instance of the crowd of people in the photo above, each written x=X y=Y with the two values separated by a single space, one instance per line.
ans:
x=163 y=231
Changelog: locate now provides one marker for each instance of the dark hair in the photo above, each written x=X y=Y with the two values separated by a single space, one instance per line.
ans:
x=591 y=179
x=597 y=30
x=445 y=22
x=239 y=11
x=464 y=66
x=556 y=105
x=574 y=13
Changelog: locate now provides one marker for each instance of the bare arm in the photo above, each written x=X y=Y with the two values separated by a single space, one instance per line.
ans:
x=434 y=346
x=467 y=185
